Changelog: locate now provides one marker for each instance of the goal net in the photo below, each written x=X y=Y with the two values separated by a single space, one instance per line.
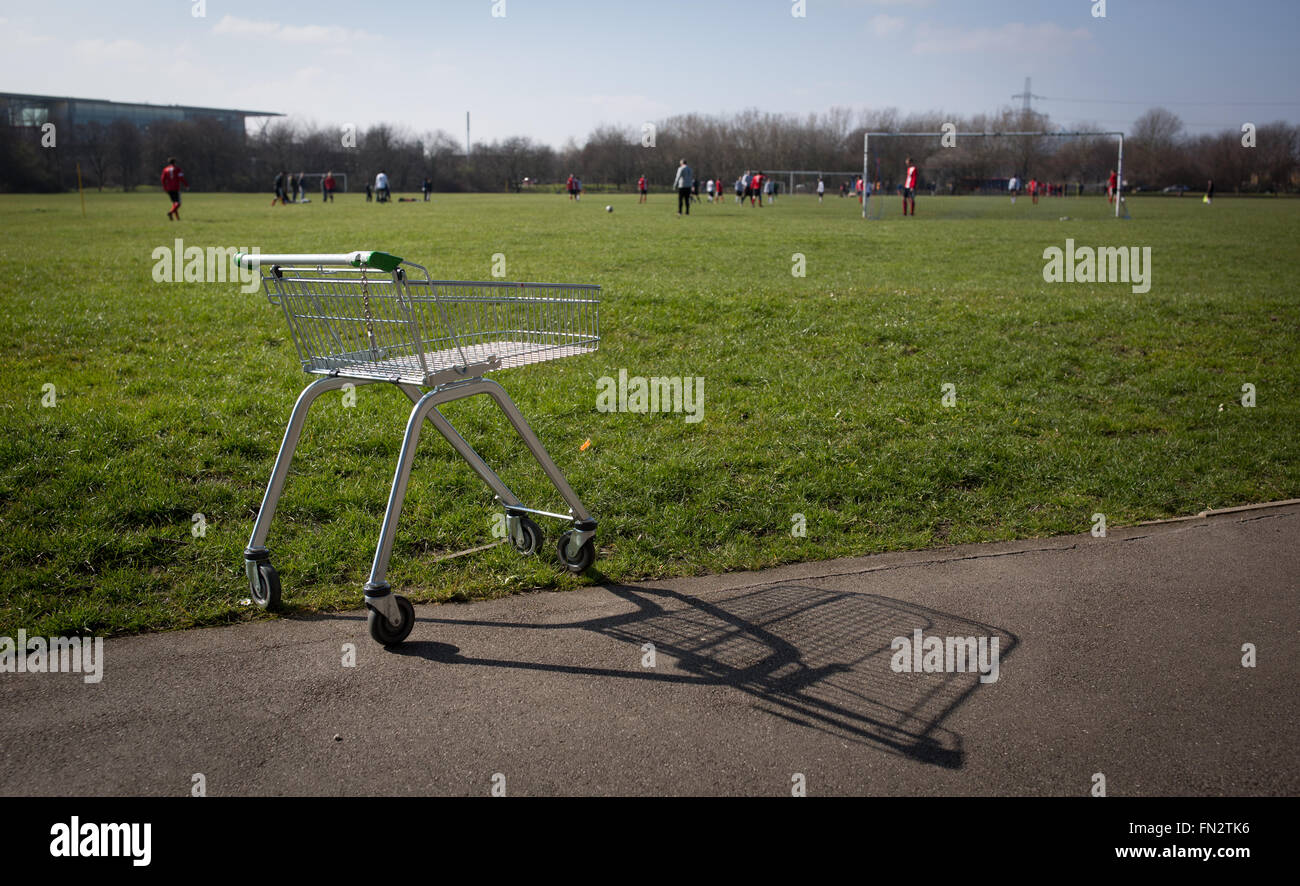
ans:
x=800 y=182
x=995 y=174
x=312 y=183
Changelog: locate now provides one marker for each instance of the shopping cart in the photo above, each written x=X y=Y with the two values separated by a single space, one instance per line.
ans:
x=365 y=317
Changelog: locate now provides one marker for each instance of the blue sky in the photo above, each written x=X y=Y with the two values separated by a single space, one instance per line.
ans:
x=554 y=69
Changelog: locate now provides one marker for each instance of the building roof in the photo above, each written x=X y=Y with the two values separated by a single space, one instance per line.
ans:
x=101 y=101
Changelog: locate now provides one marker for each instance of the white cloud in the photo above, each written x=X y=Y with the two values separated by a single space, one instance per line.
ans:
x=886 y=25
x=318 y=35
x=96 y=50
x=244 y=27
x=915 y=4
x=1011 y=37
x=17 y=35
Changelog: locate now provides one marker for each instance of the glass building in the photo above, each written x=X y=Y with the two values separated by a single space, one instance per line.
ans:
x=35 y=110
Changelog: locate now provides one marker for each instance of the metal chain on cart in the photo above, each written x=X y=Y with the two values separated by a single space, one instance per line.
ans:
x=370 y=320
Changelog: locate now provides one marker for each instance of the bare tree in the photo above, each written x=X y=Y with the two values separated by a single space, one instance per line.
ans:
x=1154 y=147
x=127 y=146
x=93 y=146
x=442 y=156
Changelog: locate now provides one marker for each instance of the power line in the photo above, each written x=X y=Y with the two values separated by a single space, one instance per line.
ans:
x=1114 y=122
x=1106 y=101
x=1235 y=127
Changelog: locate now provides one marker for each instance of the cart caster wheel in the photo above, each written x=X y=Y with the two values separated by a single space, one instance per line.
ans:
x=266 y=593
x=578 y=561
x=384 y=632
x=528 y=539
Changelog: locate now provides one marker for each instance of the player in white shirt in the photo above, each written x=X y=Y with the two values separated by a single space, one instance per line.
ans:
x=1014 y=187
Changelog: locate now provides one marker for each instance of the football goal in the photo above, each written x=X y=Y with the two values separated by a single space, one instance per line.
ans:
x=312 y=185
x=804 y=181
x=972 y=174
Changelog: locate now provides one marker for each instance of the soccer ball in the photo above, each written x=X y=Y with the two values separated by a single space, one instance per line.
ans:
x=609 y=208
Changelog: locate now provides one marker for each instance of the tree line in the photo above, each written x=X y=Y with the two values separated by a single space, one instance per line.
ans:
x=1158 y=152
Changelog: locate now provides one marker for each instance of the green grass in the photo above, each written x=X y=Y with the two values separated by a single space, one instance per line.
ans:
x=822 y=393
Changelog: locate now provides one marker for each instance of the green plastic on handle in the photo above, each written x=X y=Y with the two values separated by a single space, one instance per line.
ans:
x=381 y=260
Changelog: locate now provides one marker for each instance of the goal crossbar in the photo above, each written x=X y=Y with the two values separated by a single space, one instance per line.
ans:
x=1119 y=166
x=791 y=173
x=318 y=176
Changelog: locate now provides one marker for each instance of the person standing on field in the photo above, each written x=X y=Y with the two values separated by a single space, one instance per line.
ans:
x=1014 y=187
x=279 y=197
x=172 y=180
x=821 y=189
x=683 y=182
x=1209 y=191
x=327 y=188
x=641 y=187
x=909 y=187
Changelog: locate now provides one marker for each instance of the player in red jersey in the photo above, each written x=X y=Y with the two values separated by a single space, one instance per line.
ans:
x=172 y=181
x=1111 y=184
x=909 y=187
x=756 y=188
x=641 y=188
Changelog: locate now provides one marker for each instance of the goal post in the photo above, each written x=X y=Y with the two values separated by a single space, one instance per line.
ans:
x=340 y=178
x=989 y=164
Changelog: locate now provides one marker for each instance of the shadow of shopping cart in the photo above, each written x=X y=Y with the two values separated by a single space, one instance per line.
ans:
x=817 y=658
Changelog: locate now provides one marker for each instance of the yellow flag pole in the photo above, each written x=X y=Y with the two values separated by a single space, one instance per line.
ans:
x=81 y=192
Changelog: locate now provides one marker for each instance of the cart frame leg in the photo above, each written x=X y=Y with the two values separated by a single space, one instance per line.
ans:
x=525 y=432
x=256 y=551
x=452 y=436
x=378 y=593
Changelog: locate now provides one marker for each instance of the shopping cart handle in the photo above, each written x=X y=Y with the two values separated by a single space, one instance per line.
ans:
x=382 y=261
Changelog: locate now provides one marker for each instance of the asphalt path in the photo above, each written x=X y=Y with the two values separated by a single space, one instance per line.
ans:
x=1118 y=658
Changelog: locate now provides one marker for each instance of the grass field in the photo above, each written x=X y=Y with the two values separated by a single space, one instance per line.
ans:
x=822 y=394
